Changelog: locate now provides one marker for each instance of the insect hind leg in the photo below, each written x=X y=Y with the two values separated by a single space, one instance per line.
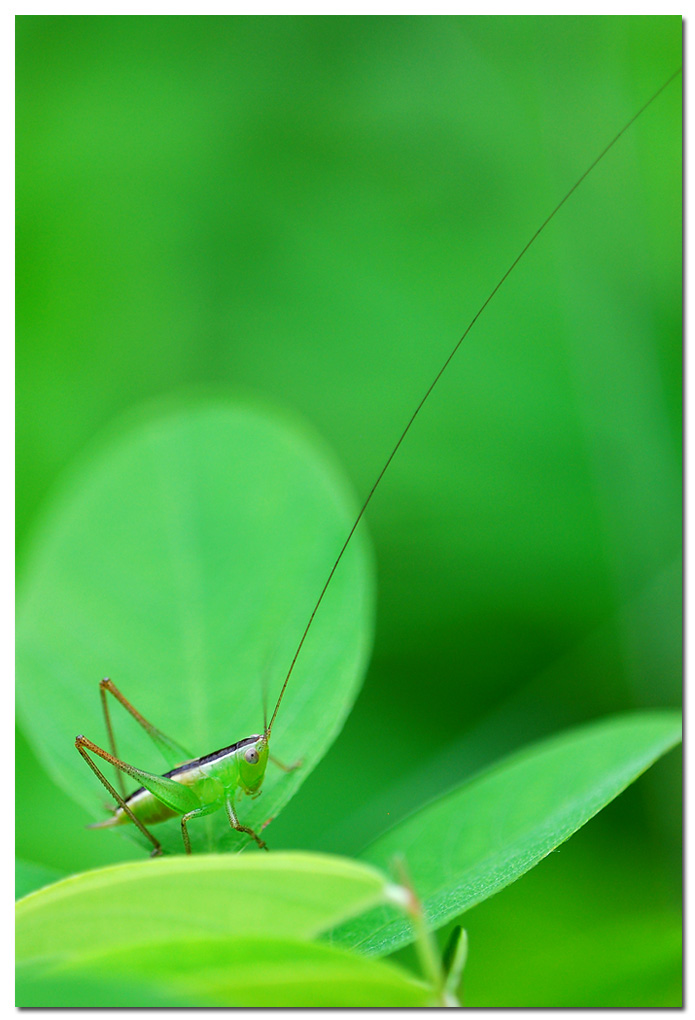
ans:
x=82 y=744
x=171 y=750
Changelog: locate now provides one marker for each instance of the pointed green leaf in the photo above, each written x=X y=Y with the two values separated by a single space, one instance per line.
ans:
x=480 y=837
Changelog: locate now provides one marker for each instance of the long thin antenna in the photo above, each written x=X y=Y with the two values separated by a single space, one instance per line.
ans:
x=441 y=371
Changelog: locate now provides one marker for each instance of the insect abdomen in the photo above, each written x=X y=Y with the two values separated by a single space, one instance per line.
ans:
x=144 y=806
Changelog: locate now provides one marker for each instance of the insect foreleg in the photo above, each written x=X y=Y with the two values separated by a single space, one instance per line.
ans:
x=80 y=744
x=236 y=824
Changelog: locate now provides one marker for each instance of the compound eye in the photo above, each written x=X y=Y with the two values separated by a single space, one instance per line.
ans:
x=251 y=755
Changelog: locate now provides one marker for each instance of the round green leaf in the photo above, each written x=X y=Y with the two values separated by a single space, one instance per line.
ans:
x=278 y=895
x=183 y=560
x=29 y=876
x=252 y=972
x=205 y=930
x=480 y=837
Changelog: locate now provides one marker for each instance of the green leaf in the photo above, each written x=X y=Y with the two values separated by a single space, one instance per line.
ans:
x=36 y=986
x=594 y=926
x=477 y=839
x=183 y=559
x=29 y=876
x=611 y=963
x=41 y=806
x=232 y=972
x=279 y=895
x=205 y=930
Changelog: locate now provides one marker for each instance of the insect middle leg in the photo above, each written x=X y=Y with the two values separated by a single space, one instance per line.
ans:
x=206 y=809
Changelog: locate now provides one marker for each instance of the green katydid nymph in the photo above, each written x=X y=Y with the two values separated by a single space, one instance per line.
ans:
x=195 y=787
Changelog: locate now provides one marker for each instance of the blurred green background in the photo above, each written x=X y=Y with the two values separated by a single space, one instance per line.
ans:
x=311 y=209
